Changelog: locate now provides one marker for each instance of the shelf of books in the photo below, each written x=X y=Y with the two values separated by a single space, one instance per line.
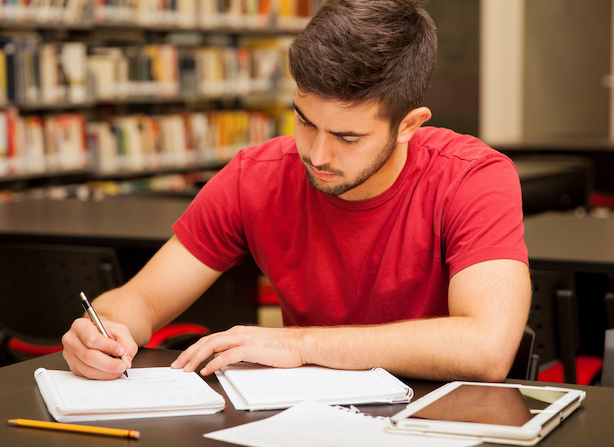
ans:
x=58 y=143
x=102 y=98
x=278 y=15
x=35 y=73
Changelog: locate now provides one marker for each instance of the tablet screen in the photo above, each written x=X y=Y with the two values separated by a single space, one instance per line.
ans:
x=489 y=405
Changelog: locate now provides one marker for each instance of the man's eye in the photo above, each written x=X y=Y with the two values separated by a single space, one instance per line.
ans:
x=302 y=122
x=348 y=142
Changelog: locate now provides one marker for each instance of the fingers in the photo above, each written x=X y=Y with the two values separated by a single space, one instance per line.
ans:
x=223 y=359
x=88 y=353
x=184 y=359
x=95 y=365
x=227 y=347
x=200 y=351
x=241 y=343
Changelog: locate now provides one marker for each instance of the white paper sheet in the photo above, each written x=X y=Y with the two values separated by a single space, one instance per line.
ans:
x=311 y=424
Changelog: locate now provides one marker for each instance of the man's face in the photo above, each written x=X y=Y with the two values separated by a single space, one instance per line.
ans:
x=346 y=150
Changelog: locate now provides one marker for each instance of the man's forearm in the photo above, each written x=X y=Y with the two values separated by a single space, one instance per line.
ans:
x=488 y=304
x=449 y=348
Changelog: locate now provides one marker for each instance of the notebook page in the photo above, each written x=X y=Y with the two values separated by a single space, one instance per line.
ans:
x=263 y=386
x=144 y=389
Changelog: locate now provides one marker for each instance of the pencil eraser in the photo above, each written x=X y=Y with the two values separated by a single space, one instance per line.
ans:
x=135 y=434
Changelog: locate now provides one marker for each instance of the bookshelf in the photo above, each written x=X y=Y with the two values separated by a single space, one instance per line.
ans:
x=96 y=90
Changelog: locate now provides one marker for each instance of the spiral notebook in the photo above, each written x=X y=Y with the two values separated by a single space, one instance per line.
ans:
x=147 y=392
x=255 y=387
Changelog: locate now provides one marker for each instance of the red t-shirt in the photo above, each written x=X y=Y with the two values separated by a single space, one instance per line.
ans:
x=457 y=202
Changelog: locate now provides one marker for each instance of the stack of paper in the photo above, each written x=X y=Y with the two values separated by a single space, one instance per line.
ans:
x=147 y=392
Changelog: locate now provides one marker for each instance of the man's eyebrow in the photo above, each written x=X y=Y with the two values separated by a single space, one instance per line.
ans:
x=300 y=113
x=337 y=134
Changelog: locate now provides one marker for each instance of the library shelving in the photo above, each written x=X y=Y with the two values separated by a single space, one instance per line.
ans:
x=100 y=89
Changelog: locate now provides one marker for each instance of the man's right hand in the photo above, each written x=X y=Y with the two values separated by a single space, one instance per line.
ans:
x=88 y=352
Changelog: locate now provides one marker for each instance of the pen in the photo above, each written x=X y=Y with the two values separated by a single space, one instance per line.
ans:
x=92 y=314
x=75 y=428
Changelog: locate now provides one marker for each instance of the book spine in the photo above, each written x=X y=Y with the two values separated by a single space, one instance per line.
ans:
x=15 y=144
x=35 y=144
x=4 y=143
x=3 y=78
x=9 y=53
x=73 y=63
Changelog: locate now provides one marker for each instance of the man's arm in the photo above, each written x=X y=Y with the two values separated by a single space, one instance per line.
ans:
x=488 y=303
x=171 y=281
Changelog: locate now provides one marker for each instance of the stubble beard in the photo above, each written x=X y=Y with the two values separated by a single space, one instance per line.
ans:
x=363 y=176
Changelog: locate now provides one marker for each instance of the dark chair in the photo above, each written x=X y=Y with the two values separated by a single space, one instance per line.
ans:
x=39 y=289
x=609 y=302
x=39 y=296
x=554 y=317
x=526 y=363
x=607 y=372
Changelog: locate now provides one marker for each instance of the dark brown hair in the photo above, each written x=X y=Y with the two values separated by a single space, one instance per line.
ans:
x=361 y=51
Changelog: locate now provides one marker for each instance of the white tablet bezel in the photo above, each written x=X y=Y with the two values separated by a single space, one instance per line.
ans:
x=528 y=434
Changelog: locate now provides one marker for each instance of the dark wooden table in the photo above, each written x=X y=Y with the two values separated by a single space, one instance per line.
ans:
x=591 y=425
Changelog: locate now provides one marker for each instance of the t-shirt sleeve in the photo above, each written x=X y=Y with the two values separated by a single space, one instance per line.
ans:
x=483 y=219
x=211 y=228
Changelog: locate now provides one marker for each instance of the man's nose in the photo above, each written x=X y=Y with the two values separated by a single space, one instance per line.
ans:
x=320 y=153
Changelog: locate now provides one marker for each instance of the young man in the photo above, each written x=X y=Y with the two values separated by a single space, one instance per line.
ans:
x=388 y=244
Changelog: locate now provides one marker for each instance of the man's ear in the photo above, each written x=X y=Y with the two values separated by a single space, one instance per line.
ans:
x=412 y=122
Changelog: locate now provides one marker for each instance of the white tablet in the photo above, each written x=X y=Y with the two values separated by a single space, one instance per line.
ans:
x=488 y=412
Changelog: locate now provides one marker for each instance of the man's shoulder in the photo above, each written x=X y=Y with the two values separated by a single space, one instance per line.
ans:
x=272 y=150
x=270 y=165
x=449 y=144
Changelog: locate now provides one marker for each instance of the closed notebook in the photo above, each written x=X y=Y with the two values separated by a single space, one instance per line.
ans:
x=147 y=392
x=255 y=387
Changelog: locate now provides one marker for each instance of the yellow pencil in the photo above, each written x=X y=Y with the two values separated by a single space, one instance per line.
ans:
x=76 y=428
